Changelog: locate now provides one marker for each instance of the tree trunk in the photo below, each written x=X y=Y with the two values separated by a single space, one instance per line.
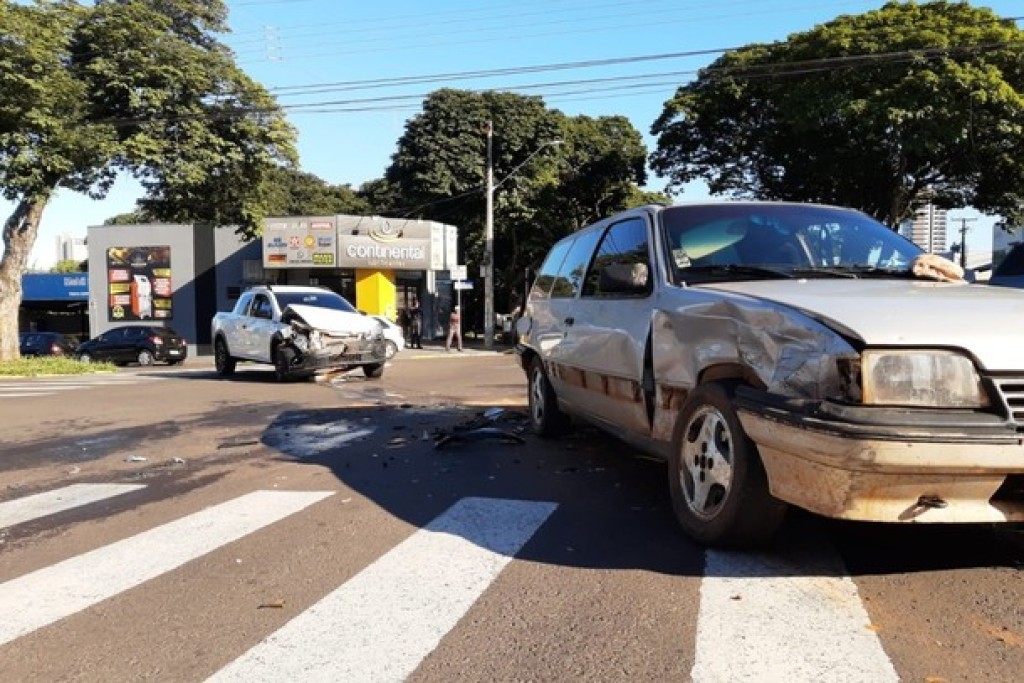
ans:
x=20 y=232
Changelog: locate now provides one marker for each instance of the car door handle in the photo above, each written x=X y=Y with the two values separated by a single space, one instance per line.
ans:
x=570 y=320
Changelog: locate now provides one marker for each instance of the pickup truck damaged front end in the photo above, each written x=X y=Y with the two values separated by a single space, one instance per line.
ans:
x=319 y=349
x=824 y=445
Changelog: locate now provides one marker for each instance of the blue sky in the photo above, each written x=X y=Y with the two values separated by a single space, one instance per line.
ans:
x=331 y=56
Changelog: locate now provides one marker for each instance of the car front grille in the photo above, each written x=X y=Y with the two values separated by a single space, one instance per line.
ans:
x=1011 y=390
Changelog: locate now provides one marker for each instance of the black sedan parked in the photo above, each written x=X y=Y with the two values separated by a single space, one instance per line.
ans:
x=46 y=344
x=144 y=345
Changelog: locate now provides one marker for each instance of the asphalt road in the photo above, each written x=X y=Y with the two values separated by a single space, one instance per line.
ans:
x=164 y=524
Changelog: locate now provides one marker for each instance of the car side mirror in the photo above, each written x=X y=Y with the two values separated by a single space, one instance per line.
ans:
x=625 y=278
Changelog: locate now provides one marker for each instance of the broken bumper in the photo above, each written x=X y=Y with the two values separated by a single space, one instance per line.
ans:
x=888 y=465
x=341 y=356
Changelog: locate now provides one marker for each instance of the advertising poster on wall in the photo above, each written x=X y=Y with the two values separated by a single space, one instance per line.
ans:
x=139 y=283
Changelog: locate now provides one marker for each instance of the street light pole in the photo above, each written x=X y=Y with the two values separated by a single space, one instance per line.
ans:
x=489 y=248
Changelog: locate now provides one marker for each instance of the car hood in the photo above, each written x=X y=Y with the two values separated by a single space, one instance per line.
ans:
x=983 y=320
x=333 y=321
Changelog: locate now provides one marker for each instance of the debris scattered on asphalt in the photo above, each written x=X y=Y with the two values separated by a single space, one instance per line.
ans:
x=136 y=458
x=237 y=444
x=277 y=604
x=482 y=427
x=178 y=461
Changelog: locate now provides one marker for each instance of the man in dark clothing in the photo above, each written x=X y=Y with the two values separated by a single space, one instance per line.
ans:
x=415 y=326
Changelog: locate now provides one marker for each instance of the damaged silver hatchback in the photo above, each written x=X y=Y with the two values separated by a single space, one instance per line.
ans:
x=779 y=354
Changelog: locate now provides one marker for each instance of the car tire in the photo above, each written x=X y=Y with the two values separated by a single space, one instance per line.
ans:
x=84 y=358
x=145 y=357
x=222 y=360
x=390 y=349
x=283 y=357
x=718 y=485
x=546 y=418
x=374 y=370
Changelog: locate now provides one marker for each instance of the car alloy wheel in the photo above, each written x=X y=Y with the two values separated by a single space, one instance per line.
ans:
x=145 y=357
x=546 y=417
x=718 y=485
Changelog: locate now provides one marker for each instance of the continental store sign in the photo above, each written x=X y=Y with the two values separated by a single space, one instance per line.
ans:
x=307 y=242
x=384 y=243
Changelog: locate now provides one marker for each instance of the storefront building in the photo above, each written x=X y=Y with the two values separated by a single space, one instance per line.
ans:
x=180 y=275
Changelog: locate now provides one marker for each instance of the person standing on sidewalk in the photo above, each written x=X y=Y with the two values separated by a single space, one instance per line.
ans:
x=454 y=330
x=415 y=326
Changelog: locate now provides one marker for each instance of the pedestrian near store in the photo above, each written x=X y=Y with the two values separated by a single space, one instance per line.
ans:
x=415 y=326
x=454 y=330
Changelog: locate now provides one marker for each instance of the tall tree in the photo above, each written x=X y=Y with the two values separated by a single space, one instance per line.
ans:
x=546 y=167
x=874 y=111
x=136 y=86
x=294 y=193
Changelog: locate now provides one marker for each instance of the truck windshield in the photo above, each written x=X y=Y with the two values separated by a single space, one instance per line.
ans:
x=318 y=299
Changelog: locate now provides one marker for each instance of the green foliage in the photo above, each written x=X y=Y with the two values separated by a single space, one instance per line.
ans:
x=51 y=365
x=69 y=265
x=543 y=190
x=136 y=217
x=876 y=111
x=293 y=193
x=135 y=86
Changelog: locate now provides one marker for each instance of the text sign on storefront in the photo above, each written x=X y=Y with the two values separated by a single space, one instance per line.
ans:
x=305 y=242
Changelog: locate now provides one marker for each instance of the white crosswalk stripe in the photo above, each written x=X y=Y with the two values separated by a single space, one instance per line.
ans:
x=776 y=618
x=51 y=502
x=47 y=386
x=408 y=599
x=58 y=591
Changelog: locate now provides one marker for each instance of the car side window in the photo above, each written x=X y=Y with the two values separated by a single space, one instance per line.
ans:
x=622 y=265
x=570 y=275
x=261 y=307
x=549 y=270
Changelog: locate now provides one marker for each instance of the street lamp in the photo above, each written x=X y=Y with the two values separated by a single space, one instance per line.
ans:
x=489 y=231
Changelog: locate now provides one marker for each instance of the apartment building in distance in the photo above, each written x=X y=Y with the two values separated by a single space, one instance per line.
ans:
x=927 y=229
x=71 y=248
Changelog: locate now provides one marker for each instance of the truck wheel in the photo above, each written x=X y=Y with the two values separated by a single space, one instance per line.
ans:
x=283 y=357
x=222 y=360
x=374 y=370
x=718 y=485
x=545 y=416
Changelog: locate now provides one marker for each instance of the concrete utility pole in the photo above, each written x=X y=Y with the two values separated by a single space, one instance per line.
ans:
x=488 y=265
x=489 y=247
x=963 y=239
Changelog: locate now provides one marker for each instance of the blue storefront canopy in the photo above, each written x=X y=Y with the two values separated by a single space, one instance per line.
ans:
x=55 y=287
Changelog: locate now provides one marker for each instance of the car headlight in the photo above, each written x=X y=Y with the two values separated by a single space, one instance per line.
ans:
x=921 y=378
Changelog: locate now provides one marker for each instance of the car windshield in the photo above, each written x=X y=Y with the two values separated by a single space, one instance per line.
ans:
x=320 y=299
x=766 y=241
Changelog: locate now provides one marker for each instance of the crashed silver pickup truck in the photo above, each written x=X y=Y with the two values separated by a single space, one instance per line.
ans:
x=299 y=330
x=780 y=354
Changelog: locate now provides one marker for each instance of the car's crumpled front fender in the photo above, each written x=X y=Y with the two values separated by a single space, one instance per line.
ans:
x=780 y=350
